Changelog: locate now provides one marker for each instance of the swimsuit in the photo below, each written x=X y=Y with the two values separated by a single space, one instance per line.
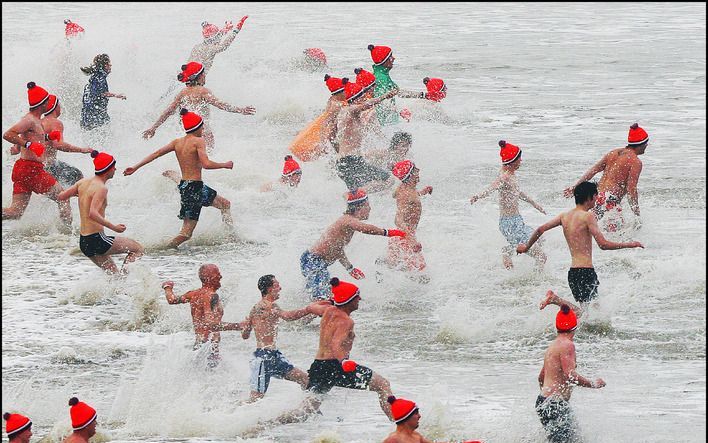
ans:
x=314 y=269
x=29 y=176
x=557 y=419
x=356 y=172
x=95 y=244
x=325 y=374
x=583 y=283
x=94 y=112
x=193 y=195
x=609 y=204
x=65 y=174
x=267 y=363
x=400 y=252
x=514 y=229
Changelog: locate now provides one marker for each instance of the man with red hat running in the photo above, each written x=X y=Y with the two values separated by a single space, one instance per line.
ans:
x=511 y=224
x=83 y=422
x=579 y=228
x=18 y=428
x=406 y=415
x=437 y=89
x=207 y=310
x=334 y=106
x=405 y=252
x=622 y=168
x=195 y=96
x=383 y=59
x=205 y=51
x=351 y=166
x=192 y=157
x=93 y=199
x=28 y=174
x=66 y=174
x=332 y=366
x=291 y=176
x=330 y=247
x=557 y=377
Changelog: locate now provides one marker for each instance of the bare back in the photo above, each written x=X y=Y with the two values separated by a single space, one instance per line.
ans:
x=331 y=244
x=555 y=381
x=207 y=311
x=87 y=189
x=335 y=324
x=264 y=318
x=408 y=207
x=576 y=229
x=187 y=152
x=194 y=98
x=618 y=164
x=203 y=53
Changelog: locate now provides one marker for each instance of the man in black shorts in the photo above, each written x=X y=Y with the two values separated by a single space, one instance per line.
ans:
x=192 y=157
x=579 y=228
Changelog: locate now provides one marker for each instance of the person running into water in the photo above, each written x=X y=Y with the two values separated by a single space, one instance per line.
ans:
x=383 y=59
x=334 y=105
x=207 y=310
x=330 y=247
x=556 y=380
x=291 y=176
x=192 y=157
x=511 y=224
x=93 y=199
x=351 y=166
x=66 y=174
x=405 y=252
x=579 y=228
x=94 y=113
x=196 y=96
x=621 y=168
x=83 y=422
x=267 y=360
x=28 y=174
x=406 y=416
x=18 y=428
x=205 y=51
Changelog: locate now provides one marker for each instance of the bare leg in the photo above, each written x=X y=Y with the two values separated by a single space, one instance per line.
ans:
x=298 y=376
x=122 y=245
x=18 y=206
x=185 y=234
x=506 y=257
x=382 y=387
x=537 y=253
x=106 y=263
x=255 y=396
x=552 y=298
x=224 y=206
x=64 y=207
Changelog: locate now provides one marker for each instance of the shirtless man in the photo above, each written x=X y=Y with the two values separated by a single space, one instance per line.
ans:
x=18 y=428
x=407 y=418
x=264 y=317
x=28 y=174
x=351 y=166
x=192 y=157
x=405 y=252
x=622 y=168
x=205 y=51
x=195 y=96
x=332 y=366
x=93 y=199
x=330 y=247
x=207 y=310
x=511 y=224
x=334 y=105
x=579 y=228
x=83 y=422
x=66 y=174
x=556 y=380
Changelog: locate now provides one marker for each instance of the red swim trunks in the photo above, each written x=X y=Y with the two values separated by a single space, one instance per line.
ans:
x=29 y=176
x=401 y=254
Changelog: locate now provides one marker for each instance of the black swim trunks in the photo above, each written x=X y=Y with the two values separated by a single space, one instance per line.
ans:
x=325 y=374
x=356 y=172
x=557 y=419
x=583 y=283
x=95 y=244
x=194 y=194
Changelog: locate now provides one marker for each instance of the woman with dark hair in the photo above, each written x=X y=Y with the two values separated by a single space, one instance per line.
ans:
x=94 y=112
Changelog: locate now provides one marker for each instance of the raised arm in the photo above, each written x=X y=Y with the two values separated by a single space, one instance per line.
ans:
x=632 y=192
x=155 y=155
x=496 y=184
x=223 y=46
x=375 y=101
x=208 y=164
x=604 y=243
x=596 y=168
x=72 y=191
x=169 y=111
x=522 y=248
x=291 y=315
x=173 y=299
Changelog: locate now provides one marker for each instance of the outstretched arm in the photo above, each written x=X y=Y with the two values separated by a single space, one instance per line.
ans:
x=208 y=164
x=496 y=184
x=295 y=314
x=157 y=154
x=632 y=192
x=596 y=168
x=223 y=46
x=72 y=191
x=522 y=248
x=374 y=101
x=173 y=299
x=410 y=94
x=169 y=111
x=248 y=325
x=212 y=100
x=529 y=200
x=604 y=243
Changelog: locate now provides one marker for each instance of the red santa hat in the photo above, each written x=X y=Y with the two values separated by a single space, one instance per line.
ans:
x=102 y=161
x=352 y=90
x=566 y=320
x=356 y=196
x=437 y=90
x=291 y=167
x=401 y=408
x=379 y=54
x=36 y=95
x=334 y=84
x=509 y=153
x=190 y=72
x=190 y=121
x=72 y=29
x=209 y=30
x=52 y=102
x=365 y=78
x=403 y=169
x=343 y=292
x=15 y=423
x=82 y=414
x=637 y=135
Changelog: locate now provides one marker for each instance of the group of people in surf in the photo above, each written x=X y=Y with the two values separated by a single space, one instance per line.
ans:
x=356 y=107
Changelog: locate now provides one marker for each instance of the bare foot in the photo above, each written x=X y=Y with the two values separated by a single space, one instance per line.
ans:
x=508 y=264
x=551 y=297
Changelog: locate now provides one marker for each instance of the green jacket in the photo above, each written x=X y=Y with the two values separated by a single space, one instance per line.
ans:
x=386 y=112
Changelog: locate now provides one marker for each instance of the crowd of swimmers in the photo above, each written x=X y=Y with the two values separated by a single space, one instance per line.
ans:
x=355 y=108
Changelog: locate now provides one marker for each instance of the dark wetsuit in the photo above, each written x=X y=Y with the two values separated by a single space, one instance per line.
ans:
x=194 y=195
x=325 y=374
x=94 y=112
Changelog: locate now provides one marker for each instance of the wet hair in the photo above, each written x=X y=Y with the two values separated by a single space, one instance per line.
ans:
x=400 y=137
x=353 y=207
x=265 y=283
x=99 y=63
x=584 y=192
x=73 y=401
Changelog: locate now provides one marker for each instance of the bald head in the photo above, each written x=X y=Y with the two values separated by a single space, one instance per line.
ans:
x=209 y=274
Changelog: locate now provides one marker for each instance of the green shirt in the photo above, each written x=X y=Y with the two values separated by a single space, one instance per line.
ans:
x=386 y=112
